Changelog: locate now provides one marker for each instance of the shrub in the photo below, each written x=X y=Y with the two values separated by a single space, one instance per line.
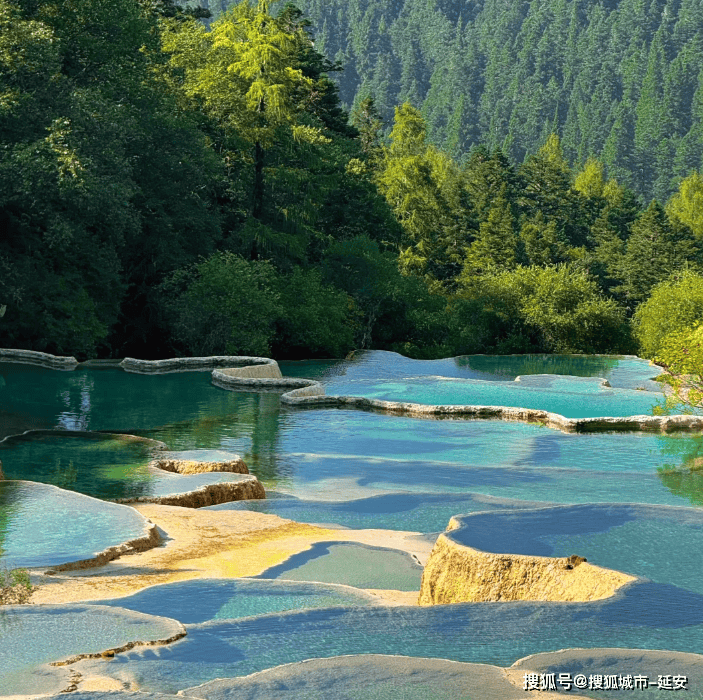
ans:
x=224 y=305
x=534 y=309
x=15 y=587
x=316 y=320
x=681 y=353
x=674 y=305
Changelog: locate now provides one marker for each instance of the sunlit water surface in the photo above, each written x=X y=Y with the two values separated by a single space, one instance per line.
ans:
x=365 y=470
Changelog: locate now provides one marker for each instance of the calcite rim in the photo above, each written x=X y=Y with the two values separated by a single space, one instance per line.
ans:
x=239 y=373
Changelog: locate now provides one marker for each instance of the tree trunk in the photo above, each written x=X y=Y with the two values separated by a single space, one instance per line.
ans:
x=258 y=191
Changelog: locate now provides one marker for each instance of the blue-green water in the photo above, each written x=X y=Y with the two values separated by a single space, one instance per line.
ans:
x=622 y=372
x=655 y=542
x=575 y=399
x=203 y=600
x=33 y=636
x=364 y=470
x=101 y=466
x=485 y=380
x=45 y=526
x=647 y=616
x=352 y=565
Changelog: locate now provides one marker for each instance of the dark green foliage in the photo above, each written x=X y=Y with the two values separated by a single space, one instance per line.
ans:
x=655 y=249
x=532 y=309
x=163 y=188
x=224 y=305
x=316 y=319
x=100 y=183
x=617 y=80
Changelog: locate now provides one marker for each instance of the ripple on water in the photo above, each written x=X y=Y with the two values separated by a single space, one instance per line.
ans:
x=642 y=615
x=34 y=636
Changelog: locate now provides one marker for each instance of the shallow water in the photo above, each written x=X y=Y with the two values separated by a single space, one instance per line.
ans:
x=365 y=470
x=43 y=526
x=352 y=565
x=222 y=599
x=648 y=616
x=33 y=636
x=623 y=372
x=651 y=541
x=485 y=380
x=98 y=466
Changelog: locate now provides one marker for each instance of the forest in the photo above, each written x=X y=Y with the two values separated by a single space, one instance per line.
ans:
x=619 y=80
x=173 y=187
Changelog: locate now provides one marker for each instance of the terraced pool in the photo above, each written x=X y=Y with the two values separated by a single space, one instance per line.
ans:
x=624 y=500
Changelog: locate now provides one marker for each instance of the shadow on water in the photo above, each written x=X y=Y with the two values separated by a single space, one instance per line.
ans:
x=643 y=615
x=209 y=599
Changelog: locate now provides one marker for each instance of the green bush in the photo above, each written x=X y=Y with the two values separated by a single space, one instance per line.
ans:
x=15 y=587
x=224 y=305
x=532 y=309
x=681 y=353
x=674 y=305
x=316 y=320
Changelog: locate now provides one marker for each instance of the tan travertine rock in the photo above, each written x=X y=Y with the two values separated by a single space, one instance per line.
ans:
x=190 y=466
x=456 y=573
x=268 y=371
x=207 y=495
x=149 y=540
x=197 y=544
x=213 y=544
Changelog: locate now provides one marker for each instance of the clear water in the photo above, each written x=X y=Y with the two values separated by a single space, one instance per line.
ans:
x=33 y=636
x=222 y=599
x=647 y=616
x=42 y=526
x=368 y=677
x=623 y=372
x=358 y=469
x=651 y=541
x=485 y=380
x=98 y=466
x=352 y=565
x=114 y=400
x=575 y=399
x=417 y=512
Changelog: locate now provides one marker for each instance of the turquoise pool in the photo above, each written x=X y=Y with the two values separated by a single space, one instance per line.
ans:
x=624 y=500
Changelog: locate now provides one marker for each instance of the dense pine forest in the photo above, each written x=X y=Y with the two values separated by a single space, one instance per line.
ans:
x=619 y=80
x=177 y=185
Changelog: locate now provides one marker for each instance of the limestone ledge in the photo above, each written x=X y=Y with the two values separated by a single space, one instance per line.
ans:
x=42 y=359
x=456 y=573
x=240 y=365
x=150 y=539
x=536 y=378
x=232 y=378
x=208 y=495
x=109 y=653
x=642 y=423
x=261 y=374
x=191 y=466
